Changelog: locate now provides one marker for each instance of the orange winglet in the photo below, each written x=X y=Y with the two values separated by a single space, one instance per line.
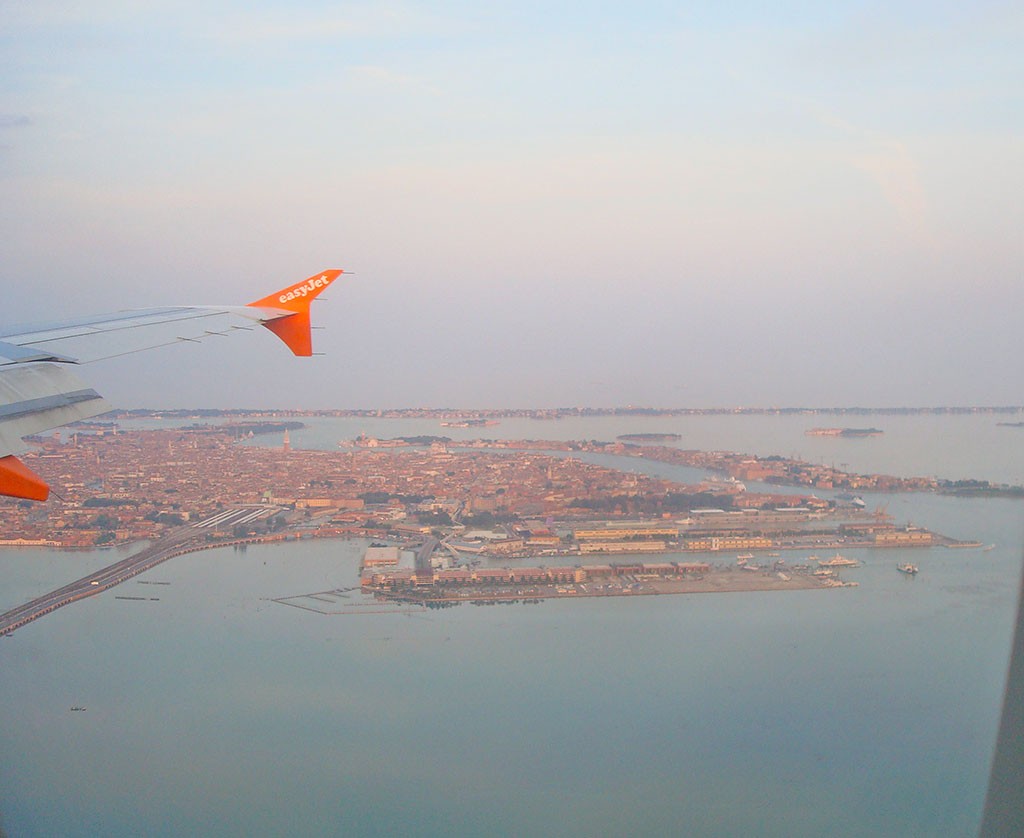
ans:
x=294 y=328
x=17 y=480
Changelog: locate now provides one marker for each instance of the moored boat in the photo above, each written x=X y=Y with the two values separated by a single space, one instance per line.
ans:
x=838 y=561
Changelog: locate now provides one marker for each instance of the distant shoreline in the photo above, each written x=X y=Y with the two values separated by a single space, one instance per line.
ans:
x=558 y=412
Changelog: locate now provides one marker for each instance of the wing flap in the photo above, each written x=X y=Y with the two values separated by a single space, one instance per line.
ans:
x=11 y=353
x=39 y=397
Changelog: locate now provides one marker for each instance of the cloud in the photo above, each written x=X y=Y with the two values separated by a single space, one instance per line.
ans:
x=14 y=120
x=258 y=29
x=896 y=174
x=376 y=76
x=291 y=25
x=890 y=165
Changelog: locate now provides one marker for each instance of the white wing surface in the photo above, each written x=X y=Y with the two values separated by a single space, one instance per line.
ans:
x=38 y=390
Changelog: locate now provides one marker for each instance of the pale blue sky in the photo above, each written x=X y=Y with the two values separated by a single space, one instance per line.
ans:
x=544 y=203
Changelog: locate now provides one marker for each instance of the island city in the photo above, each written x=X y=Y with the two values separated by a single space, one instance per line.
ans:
x=465 y=522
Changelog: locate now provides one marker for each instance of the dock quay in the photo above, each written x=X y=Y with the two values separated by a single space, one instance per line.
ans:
x=537 y=583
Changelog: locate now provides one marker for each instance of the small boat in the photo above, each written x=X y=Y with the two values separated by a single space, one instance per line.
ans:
x=989 y=547
x=744 y=557
x=908 y=568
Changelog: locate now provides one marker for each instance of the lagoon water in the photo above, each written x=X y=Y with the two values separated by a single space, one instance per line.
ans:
x=213 y=710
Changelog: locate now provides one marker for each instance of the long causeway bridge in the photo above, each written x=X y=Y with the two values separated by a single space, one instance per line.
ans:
x=183 y=540
x=178 y=542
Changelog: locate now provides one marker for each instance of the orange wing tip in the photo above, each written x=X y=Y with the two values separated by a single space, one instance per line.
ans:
x=298 y=297
x=294 y=328
x=19 y=481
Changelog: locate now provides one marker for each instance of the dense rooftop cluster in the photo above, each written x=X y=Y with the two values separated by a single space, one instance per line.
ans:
x=114 y=485
x=134 y=483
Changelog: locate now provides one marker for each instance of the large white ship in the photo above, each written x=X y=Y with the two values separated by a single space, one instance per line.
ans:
x=838 y=561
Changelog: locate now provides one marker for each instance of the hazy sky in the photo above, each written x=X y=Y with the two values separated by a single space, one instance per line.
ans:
x=664 y=204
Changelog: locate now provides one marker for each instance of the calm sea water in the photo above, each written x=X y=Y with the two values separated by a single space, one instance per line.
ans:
x=213 y=710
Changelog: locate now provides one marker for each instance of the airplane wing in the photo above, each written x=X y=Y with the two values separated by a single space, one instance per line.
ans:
x=39 y=392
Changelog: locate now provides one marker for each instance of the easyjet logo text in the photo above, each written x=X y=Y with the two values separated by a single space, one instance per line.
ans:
x=307 y=287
